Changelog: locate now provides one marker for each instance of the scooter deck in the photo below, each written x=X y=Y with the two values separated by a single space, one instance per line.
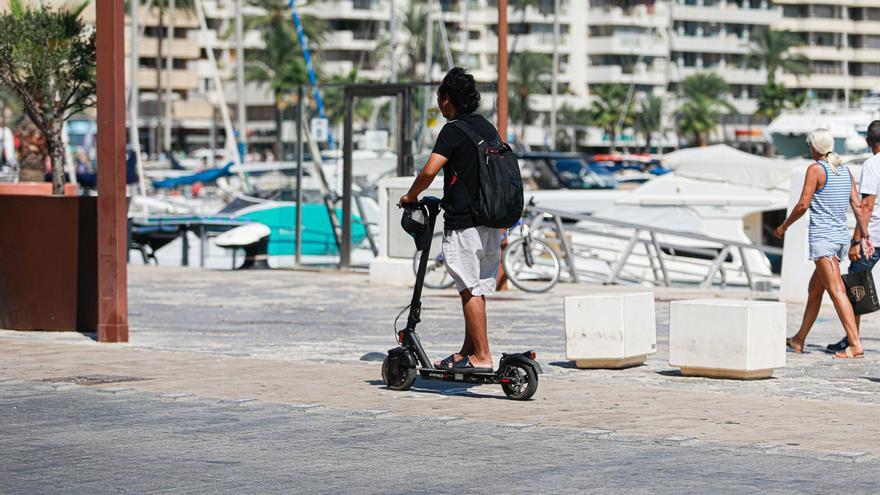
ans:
x=452 y=376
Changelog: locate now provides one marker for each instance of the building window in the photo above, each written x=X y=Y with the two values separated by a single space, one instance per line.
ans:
x=363 y=4
x=825 y=11
x=825 y=67
x=796 y=11
x=824 y=39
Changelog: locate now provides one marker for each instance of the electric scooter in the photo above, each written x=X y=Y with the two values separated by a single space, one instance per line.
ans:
x=516 y=373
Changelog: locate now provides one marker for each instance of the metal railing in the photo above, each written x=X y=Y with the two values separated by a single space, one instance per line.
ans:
x=711 y=255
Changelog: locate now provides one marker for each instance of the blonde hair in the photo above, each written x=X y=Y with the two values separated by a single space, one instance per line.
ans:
x=822 y=142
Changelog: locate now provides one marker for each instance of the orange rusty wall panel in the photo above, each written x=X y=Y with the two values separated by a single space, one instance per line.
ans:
x=47 y=263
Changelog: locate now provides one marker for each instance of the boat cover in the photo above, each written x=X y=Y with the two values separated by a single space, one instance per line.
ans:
x=721 y=163
x=208 y=175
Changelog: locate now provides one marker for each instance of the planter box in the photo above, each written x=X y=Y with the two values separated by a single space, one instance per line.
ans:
x=33 y=189
x=727 y=339
x=48 y=263
x=610 y=331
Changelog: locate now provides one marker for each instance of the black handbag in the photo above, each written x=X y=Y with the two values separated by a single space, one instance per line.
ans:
x=861 y=292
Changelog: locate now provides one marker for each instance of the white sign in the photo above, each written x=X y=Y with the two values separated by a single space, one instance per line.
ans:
x=320 y=129
x=376 y=140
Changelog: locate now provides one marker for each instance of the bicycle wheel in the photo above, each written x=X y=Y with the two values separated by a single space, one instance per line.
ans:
x=534 y=271
x=436 y=276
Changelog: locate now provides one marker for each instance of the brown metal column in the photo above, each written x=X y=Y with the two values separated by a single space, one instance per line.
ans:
x=502 y=69
x=112 y=208
x=347 y=164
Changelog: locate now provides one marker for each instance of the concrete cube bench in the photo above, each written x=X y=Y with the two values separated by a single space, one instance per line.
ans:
x=727 y=339
x=610 y=330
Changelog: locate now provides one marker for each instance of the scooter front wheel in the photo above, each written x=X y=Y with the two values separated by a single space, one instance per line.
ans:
x=396 y=374
x=519 y=381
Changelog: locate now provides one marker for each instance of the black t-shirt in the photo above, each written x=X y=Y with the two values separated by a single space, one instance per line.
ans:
x=460 y=172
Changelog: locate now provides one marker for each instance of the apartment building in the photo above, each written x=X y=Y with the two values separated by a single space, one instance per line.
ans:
x=842 y=40
x=650 y=44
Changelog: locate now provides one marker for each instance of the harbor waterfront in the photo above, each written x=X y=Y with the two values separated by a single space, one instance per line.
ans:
x=439 y=246
x=255 y=381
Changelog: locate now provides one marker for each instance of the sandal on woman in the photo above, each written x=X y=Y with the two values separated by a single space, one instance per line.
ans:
x=848 y=353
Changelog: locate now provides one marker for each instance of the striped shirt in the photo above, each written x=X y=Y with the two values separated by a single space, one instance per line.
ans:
x=829 y=205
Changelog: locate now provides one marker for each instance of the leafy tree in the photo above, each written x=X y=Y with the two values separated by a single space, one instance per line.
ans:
x=772 y=49
x=277 y=64
x=528 y=71
x=609 y=108
x=47 y=58
x=706 y=99
x=649 y=118
x=334 y=99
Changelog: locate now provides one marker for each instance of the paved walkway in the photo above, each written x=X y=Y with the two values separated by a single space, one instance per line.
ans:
x=81 y=440
x=272 y=341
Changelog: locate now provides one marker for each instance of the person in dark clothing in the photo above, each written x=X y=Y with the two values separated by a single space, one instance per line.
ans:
x=472 y=252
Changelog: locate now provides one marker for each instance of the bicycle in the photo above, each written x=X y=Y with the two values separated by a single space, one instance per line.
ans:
x=436 y=276
x=531 y=264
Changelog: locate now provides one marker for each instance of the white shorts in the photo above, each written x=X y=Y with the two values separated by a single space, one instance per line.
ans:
x=472 y=257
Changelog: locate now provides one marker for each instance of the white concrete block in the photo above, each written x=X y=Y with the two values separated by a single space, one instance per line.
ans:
x=726 y=338
x=392 y=271
x=610 y=331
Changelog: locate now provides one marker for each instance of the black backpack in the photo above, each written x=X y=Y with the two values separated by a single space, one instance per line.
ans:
x=499 y=201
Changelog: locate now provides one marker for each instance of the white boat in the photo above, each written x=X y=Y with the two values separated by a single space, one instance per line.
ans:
x=714 y=191
x=788 y=132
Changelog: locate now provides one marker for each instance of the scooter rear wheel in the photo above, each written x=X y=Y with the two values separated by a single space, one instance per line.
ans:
x=523 y=381
x=396 y=375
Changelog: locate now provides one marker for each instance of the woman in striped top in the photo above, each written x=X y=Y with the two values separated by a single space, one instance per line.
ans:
x=828 y=187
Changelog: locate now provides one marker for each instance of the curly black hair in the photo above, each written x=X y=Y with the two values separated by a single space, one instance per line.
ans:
x=461 y=89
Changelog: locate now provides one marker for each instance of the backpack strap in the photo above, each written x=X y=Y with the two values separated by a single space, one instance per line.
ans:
x=468 y=131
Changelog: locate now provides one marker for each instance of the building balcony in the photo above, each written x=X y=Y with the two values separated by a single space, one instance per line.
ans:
x=733 y=75
x=640 y=16
x=816 y=81
x=181 y=48
x=181 y=80
x=628 y=45
x=826 y=52
x=726 y=14
x=192 y=109
x=348 y=9
x=817 y=25
x=150 y=17
x=614 y=74
x=347 y=40
x=710 y=44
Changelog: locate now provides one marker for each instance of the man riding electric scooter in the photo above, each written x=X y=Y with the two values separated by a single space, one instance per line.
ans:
x=472 y=251
x=482 y=195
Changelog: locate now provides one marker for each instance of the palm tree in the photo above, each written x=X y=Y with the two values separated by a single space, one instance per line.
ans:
x=277 y=64
x=649 y=118
x=772 y=49
x=772 y=100
x=334 y=100
x=415 y=23
x=706 y=100
x=609 y=108
x=568 y=116
x=528 y=71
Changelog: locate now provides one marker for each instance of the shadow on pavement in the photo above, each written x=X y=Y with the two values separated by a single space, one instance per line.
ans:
x=437 y=387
